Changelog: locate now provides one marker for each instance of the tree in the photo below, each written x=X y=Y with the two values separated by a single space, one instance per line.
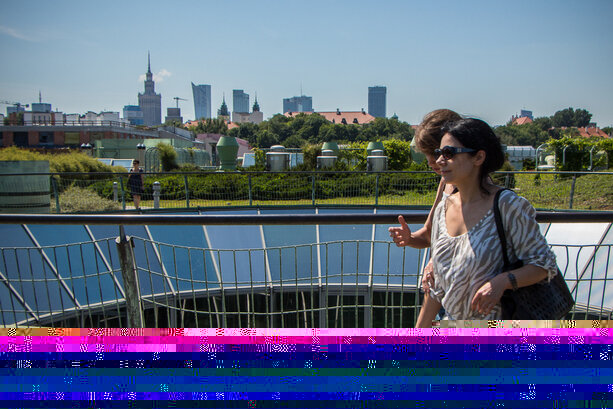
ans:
x=266 y=139
x=564 y=117
x=582 y=118
x=569 y=117
x=211 y=125
x=543 y=122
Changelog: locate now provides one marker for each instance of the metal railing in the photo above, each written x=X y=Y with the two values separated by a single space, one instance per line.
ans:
x=136 y=281
x=110 y=191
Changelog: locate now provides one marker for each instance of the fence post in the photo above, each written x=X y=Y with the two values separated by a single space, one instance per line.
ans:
x=125 y=250
x=507 y=181
x=250 y=193
x=572 y=192
x=313 y=189
x=123 y=193
x=156 y=194
x=115 y=193
x=56 y=193
x=186 y=191
x=377 y=190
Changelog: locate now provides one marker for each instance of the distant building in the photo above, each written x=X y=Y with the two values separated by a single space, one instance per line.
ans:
x=150 y=103
x=223 y=111
x=202 y=100
x=41 y=114
x=255 y=117
x=174 y=115
x=520 y=120
x=590 y=131
x=240 y=101
x=341 y=117
x=526 y=113
x=210 y=141
x=376 y=101
x=133 y=114
x=15 y=109
x=298 y=104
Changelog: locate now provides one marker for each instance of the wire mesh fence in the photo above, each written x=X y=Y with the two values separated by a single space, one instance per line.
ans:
x=93 y=192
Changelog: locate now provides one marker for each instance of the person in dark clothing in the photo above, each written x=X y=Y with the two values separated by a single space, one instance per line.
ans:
x=135 y=183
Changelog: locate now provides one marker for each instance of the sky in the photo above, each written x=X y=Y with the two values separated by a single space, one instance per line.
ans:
x=486 y=59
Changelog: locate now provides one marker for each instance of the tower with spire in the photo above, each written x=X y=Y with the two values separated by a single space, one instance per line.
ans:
x=256 y=116
x=150 y=102
x=223 y=112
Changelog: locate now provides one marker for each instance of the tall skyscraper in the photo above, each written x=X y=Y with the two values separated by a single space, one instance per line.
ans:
x=202 y=100
x=298 y=104
x=150 y=102
x=240 y=101
x=376 y=101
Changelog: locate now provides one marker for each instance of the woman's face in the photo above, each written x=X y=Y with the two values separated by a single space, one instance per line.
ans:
x=432 y=163
x=459 y=166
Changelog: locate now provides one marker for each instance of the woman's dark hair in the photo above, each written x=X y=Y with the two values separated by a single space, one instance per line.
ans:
x=428 y=135
x=476 y=134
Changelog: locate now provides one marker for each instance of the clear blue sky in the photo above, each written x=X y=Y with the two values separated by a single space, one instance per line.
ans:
x=482 y=58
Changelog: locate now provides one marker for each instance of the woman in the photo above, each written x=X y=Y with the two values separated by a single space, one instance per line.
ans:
x=427 y=139
x=135 y=183
x=466 y=249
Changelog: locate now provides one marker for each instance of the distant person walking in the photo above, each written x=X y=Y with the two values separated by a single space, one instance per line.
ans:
x=135 y=183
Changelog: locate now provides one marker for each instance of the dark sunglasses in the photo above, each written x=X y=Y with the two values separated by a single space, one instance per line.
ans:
x=449 y=152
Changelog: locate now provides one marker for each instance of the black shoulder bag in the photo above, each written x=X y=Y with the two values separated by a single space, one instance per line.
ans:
x=547 y=301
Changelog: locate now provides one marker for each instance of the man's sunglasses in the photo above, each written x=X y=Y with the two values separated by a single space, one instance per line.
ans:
x=449 y=152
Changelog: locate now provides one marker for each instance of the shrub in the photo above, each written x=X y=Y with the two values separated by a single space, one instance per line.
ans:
x=168 y=157
x=398 y=154
x=79 y=200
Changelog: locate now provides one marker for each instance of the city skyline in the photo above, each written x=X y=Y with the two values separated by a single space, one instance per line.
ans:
x=480 y=58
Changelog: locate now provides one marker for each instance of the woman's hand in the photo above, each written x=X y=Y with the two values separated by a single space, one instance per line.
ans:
x=489 y=294
x=400 y=235
x=427 y=280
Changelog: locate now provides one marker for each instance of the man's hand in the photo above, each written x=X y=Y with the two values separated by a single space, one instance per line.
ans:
x=400 y=235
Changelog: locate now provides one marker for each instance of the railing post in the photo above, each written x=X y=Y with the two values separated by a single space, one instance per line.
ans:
x=313 y=189
x=123 y=193
x=156 y=194
x=250 y=193
x=56 y=193
x=115 y=193
x=377 y=190
x=507 y=181
x=572 y=192
x=186 y=191
x=125 y=250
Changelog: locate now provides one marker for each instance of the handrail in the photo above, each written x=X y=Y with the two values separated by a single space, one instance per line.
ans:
x=272 y=219
x=306 y=172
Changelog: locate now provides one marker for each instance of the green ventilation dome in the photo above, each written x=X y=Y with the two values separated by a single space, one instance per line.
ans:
x=372 y=146
x=332 y=146
x=227 y=148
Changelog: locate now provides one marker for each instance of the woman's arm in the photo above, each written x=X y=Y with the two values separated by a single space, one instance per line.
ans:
x=490 y=293
x=420 y=239
x=527 y=244
x=428 y=312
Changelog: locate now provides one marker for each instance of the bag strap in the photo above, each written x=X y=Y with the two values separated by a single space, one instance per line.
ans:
x=500 y=229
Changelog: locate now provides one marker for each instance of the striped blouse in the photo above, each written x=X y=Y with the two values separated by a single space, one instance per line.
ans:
x=462 y=264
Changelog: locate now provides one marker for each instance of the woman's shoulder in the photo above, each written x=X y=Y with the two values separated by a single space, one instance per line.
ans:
x=510 y=201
